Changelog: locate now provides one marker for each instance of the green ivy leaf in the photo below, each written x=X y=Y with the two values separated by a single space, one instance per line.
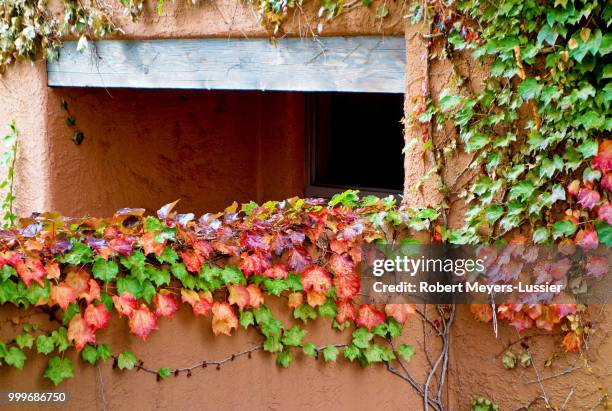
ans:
x=351 y=352
x=604 y=232
x=44 y=344
x=24 y=340
x=246 y=319
x=89 y=354
x=330 y=353
x=104 y=352
x=164 y=373
x=59 y=369
x=328 y=309
x=310 y=349
x=15 y=357
x=60 y=337
x=104 y=270
x=406 y=351
x=529 y=88
x=284 y=358
x=126 y=360
x=362 y=337
x=563 y=228
x=304 y=312
x=272 y=344
x=541 y=235
x=293 y=336
x=79 y=254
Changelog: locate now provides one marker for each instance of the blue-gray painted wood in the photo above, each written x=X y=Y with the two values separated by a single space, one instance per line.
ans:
x=363 y=64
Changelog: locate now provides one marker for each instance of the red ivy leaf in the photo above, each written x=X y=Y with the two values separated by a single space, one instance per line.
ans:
x=347 y=286
x=255 y=263
x=400 y=312
x=315 y=278
x=278 y=271
x=192 y=260
x=96 y=316
x=142 y=322
x=605 y=213
x=31 y=270
x=295 y=299
x=341 y=264
x=588 y=198
x=150 y=245
x=125 y=304
x=93 y=293
x=587 y=239
x=63 y=295
x=314 y=298
x=255 y=296
x=53 y=270
x=165 y=304
x=200 y=302
x=368 y=316
x=224 y=319
x=603 y=159
x=606 y=181
x=238 y=295
x=346 y=312
x=80 y=333
x=298 y=258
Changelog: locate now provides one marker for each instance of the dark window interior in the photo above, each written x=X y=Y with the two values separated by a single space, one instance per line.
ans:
x=356 y=141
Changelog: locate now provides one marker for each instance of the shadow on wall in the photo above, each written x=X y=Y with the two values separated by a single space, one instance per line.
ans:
x=145 y=148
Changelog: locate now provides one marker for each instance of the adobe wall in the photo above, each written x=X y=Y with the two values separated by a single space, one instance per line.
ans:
x=134 y=143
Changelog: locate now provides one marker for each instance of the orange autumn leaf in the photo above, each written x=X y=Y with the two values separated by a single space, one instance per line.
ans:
x=165 y=304
x=255 y=296
x=368 y=316
x=278 y=271
x=201 y=302
x=79 y=281
x=295 y=299
x=192 y=261
x=314 y=298
x=255 y=263
x=603 y=159
x=346 y=312
x=572 y=342
x=224 y=319
x=315 y=278
x=482 y=312
x=400 y=312
x=150 y=245
x=80 y=333
x=63 y=295
x=142 y=322
x=96 y=316
x=125 y=304
x=341 y=264
x=31 y=270
x=53 y=270
x=238 y=295
x=347 y=286
x=93 y=293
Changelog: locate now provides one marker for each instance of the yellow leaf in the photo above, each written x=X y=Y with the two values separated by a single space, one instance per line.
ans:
x=585 y=33
x=572 y=44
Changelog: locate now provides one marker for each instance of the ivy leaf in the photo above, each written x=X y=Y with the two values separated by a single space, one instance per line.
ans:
x=24 y=340
x=90 y=354
x=59 y=369
x=104 y=270
x=328 y=309
x=351 y=352
x=541 y=235
x=563 y=228
x=60 y=337
x=126 y=360
x=15 y=357
x=310 y=349
x=604 y=232
x=246 y=319
x=104 y=352
x=330 y=353
x=406 y=351
x=164 y=373
x=493 y=213
x=79 y=254
x=293 y=336
x=529 y=88
x=284 y=358
x=362 y=337
x=44 y=344
x=304 y=312
x=272 y=344
x=73 y=309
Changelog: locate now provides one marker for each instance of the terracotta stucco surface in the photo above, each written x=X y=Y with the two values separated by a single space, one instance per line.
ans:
x=143 y=148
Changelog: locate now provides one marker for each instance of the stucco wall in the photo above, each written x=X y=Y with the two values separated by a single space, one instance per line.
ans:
x=143 y=148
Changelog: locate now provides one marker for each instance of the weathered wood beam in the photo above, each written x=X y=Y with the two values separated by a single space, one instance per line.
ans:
x=360 y=64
